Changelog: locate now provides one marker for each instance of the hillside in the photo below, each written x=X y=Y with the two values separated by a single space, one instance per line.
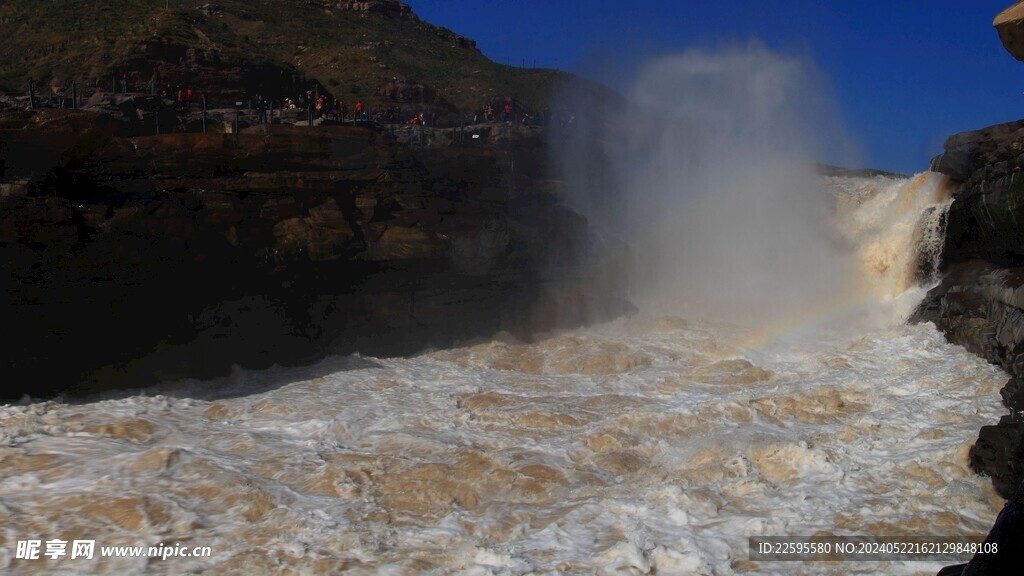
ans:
x=377 y=50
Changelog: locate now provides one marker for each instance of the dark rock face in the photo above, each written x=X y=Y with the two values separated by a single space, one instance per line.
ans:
x=980 y=302
x=980 y=305
x=1005 y=534
x=984 y=221
x=391 y=8
x=1010 y=25
x=131 y=260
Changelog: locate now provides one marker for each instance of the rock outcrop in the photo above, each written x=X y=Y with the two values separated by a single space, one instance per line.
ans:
x=985 y=220
x=1010 y=25
x=225 y=76
x=980 y=301
x=980 y=304
x=391 y=8
x=128 y=260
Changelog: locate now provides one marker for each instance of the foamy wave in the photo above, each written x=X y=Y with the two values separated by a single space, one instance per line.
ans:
x=520 y=458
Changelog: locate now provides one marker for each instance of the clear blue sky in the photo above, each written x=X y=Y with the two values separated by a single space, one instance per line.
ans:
x=906 y=73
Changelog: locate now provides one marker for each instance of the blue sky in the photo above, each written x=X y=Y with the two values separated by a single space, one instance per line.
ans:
x=906 y=73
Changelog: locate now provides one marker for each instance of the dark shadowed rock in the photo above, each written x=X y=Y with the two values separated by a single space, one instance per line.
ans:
x=131 y=260
x=1013 y=395
x=391 y=8
x=984 y=220
x=979 y=303
x=1010 y=25
x=958 y=159
x=1005 y=535
x=955 y=570
x=997 y=453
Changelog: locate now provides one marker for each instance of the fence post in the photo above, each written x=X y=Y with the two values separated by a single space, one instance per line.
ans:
x=74 y=95
x=156 y=116
x=31 y=94
x=204 y=112
x=236 y=122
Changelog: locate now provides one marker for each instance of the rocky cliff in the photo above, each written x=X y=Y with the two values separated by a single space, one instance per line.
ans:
x=131 y=259
x=980 y=302
x=980 y=305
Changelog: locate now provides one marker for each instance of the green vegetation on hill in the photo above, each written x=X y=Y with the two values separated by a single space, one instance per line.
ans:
x=353 y=49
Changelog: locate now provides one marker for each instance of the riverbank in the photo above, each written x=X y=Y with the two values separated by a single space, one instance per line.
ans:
x=135 y=259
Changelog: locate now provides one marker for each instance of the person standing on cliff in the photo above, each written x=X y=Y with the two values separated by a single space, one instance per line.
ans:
x=261 y=109
x=359 y=109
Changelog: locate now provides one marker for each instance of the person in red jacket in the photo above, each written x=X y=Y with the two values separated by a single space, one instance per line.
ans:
x=359 y=110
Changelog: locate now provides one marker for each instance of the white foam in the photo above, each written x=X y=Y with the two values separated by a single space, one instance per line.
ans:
x=461 y=461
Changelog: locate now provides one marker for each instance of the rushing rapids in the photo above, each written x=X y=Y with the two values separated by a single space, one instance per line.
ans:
x=652 y=444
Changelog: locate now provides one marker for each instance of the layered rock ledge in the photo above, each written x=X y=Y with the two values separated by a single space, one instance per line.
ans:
x=129 y=260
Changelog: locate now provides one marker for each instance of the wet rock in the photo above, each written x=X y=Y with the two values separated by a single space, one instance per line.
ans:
x=998 y=453
x=979 y=305
x=1013 y=395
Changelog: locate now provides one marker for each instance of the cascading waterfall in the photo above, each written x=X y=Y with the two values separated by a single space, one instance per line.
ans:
x=712 y=186
x=895 y=228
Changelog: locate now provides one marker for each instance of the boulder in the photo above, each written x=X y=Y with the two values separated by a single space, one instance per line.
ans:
x=998 y=453
x=1010 y=25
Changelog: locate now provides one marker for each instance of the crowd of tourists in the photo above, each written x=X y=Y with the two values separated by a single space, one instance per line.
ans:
x=325 y=107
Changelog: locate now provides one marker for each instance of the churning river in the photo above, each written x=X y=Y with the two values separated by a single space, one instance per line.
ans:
x=650 y=444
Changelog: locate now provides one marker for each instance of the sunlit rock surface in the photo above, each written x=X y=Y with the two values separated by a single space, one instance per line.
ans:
x=1010 y=25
